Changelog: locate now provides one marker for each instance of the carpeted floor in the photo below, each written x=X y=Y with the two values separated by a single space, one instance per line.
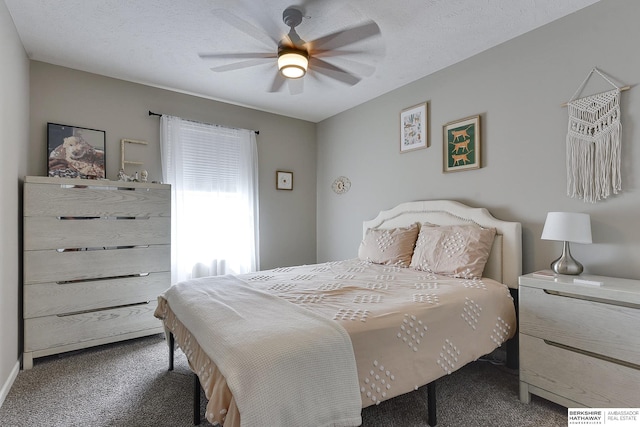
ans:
x=127 y=384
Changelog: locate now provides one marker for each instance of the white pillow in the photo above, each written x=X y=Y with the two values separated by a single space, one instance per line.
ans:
x=392 y=246
x=453 y=250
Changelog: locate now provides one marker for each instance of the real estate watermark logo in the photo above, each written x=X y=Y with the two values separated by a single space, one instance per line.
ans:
x=625 y=417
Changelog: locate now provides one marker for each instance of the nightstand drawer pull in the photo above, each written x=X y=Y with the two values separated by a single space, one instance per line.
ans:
x=594 y=299
x=595 y=355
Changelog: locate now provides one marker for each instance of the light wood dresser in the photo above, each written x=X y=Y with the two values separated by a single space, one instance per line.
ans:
x=96 y=256
x=580 y=343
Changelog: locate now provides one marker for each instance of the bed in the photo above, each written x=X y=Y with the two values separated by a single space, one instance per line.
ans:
x=313 y=344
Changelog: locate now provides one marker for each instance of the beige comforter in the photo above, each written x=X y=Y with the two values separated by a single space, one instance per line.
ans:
x=259 y=335
x=407 y=327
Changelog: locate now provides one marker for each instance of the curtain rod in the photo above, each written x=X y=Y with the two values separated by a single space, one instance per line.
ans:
x=151 y=113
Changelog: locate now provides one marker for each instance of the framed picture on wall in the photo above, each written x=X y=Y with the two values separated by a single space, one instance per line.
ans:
x=284 y=180
x=75 y=152
x=461 y=140
x=414 y=132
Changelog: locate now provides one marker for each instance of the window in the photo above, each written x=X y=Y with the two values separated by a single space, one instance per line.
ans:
x=214 y=174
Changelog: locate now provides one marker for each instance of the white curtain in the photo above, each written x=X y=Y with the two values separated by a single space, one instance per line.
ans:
x=213 y=171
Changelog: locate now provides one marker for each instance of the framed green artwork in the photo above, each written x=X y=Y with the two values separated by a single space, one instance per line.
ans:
x=461 y=144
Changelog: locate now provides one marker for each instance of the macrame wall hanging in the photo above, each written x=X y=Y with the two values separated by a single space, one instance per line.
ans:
x=593 y=143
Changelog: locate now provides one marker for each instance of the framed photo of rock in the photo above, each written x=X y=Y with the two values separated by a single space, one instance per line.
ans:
x=75 y=152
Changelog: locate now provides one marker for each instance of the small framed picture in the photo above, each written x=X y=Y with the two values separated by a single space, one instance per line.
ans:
x=461 y=139
x=75 y=152
x=414 y=128
x=284 y=180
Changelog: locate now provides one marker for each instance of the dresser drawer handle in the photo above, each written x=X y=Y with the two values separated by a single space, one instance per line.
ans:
x=593 y=299
x=99 y=279
x=102 y=309
x=594 y=355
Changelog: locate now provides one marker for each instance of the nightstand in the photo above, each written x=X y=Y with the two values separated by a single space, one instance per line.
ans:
x=580 y=343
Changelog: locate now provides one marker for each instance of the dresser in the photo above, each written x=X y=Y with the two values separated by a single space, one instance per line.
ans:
x=96 y=256
x=580 y=342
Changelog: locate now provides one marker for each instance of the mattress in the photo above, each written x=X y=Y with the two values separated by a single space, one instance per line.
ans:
x=407 y=327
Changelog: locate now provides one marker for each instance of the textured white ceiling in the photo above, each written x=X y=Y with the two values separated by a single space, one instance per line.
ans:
x=158 y=42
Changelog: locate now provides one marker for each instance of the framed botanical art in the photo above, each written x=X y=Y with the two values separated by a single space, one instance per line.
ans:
x=461 y=141
x=414 y=128
x=284 y=180
x=75 y=152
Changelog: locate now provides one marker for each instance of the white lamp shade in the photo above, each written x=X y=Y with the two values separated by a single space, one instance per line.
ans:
x=292 y=64
x=567 y=227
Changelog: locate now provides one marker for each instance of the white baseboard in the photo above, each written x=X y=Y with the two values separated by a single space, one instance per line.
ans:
x=4 y=391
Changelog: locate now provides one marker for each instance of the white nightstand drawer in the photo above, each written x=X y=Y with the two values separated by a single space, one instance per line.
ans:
x=608 y=329
x=580 y=378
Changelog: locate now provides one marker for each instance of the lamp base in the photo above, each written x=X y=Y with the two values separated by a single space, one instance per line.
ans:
x=566 y=264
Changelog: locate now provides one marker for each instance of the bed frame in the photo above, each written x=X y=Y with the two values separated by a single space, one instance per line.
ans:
x=504 y=264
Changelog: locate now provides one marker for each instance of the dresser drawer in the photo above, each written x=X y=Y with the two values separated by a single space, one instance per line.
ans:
x=42 y=233
x=58 y=331
x=45 y=299
x=581 y=378
x=604 y=328
x=50 y=265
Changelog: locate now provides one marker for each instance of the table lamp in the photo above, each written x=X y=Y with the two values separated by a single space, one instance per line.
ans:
x=567 y=227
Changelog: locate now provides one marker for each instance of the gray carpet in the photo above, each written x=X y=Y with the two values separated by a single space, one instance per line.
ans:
x=127 y=384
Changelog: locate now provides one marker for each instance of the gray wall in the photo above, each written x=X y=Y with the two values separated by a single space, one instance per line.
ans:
x=517 y=88
x=34 y=93
x=14 y=138
x=287 y=218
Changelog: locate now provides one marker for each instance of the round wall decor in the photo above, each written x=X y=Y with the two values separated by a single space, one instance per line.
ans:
x=341 y=185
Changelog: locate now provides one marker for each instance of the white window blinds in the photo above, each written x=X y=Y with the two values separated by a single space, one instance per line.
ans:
x=213 y=172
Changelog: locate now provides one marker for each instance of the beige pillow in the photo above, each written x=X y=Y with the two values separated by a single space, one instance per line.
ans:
x=392 y=246
x=453 y=250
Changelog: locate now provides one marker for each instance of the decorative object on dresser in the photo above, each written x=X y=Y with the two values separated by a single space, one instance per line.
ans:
x=96 y=256
x=578 y=342
x=123 y=161
x=461 y=148
x=414 y=128
x=75 y=152
x=567 y=227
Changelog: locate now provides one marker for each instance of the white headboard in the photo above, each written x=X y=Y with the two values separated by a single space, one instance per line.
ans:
x=505 y=261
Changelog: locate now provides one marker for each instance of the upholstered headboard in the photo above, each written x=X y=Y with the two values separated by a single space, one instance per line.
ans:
x=505 y=260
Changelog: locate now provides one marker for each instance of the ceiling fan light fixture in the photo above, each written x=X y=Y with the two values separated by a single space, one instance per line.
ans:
x=293 y=63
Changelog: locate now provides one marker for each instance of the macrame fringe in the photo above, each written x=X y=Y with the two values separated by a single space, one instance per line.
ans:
x=593 y=147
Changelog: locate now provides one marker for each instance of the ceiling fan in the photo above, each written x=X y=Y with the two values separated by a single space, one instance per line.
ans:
x=296 y=57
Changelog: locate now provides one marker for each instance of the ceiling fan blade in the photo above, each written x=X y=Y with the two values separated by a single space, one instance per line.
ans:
x=335 y=72
x=240 y=65
x=278 y=82
x=357 y=67
x=245 y=27
x=347 y=36
x=295 y=39
x=296 y=86
x=237 y=55
x=264 y=17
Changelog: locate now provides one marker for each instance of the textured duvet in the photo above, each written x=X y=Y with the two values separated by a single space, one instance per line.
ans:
x=407 y=327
